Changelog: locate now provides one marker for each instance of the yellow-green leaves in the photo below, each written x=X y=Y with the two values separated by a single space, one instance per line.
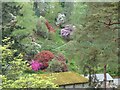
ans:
x=29 y=81
x=12 y=62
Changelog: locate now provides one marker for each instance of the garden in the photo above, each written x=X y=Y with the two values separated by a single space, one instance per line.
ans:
x=55 y=37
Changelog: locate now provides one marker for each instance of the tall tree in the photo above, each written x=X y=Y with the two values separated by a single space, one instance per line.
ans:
x=97 y=27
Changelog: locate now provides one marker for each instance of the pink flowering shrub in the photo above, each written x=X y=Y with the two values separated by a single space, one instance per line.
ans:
x=35 y=65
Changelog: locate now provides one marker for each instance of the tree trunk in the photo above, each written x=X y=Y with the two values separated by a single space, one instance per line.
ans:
x=105 y=78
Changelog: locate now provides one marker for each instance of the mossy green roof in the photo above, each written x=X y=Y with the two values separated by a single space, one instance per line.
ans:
x=66 y=78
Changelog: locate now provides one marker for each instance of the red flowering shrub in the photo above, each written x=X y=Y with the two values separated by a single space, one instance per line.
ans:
x=44 y=57
x=45 y=65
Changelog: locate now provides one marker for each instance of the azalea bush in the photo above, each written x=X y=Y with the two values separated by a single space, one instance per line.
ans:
x=42 y=58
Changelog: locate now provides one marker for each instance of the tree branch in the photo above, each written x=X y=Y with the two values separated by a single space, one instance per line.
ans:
x=109 y=23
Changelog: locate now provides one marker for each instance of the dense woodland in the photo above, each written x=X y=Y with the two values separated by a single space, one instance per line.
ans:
x=35 y=40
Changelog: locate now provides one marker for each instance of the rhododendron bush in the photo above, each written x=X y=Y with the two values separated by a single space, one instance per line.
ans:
x=67 y=31
x=58 y=64
x=45 y=59
x=44 y=56
x=41 y=60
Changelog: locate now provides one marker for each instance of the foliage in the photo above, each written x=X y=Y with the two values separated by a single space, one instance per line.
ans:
x=78 y=14
x=9 y=13
x=72 y=66
x=93 y=44
x=60 y=57
x=53 y=11
x=25 y=28
x=31 y=47
x=58 y=64
x=41 y=27
x=93 y=31
x=1 y=60
x=28 y=81
x=12 y=62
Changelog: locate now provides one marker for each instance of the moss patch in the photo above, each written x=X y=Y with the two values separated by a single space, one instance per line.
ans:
x=64 y=78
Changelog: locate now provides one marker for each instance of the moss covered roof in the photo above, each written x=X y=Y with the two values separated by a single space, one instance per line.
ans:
x=65 y=78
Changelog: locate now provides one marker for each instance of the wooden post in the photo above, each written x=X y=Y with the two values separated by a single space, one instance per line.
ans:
x=90 y=76
x=105 y=76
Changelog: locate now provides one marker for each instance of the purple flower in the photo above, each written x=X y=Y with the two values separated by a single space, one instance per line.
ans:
x=66 y=32
x=36 y=65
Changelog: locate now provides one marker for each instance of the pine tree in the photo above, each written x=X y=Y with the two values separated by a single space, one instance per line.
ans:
x=9 y=13
x=97 y=28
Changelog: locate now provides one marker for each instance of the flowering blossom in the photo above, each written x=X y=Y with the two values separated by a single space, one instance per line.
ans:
x=67 y=31
x=44 y=57
x=36 y=65
x=61 y=18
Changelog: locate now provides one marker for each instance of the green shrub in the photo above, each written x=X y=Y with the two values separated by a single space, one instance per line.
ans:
x=13 y=64
x=72 y=66
x=28 y=81
x=57 y=66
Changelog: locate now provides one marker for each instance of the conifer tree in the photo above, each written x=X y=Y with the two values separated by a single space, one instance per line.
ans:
x=97 y=28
